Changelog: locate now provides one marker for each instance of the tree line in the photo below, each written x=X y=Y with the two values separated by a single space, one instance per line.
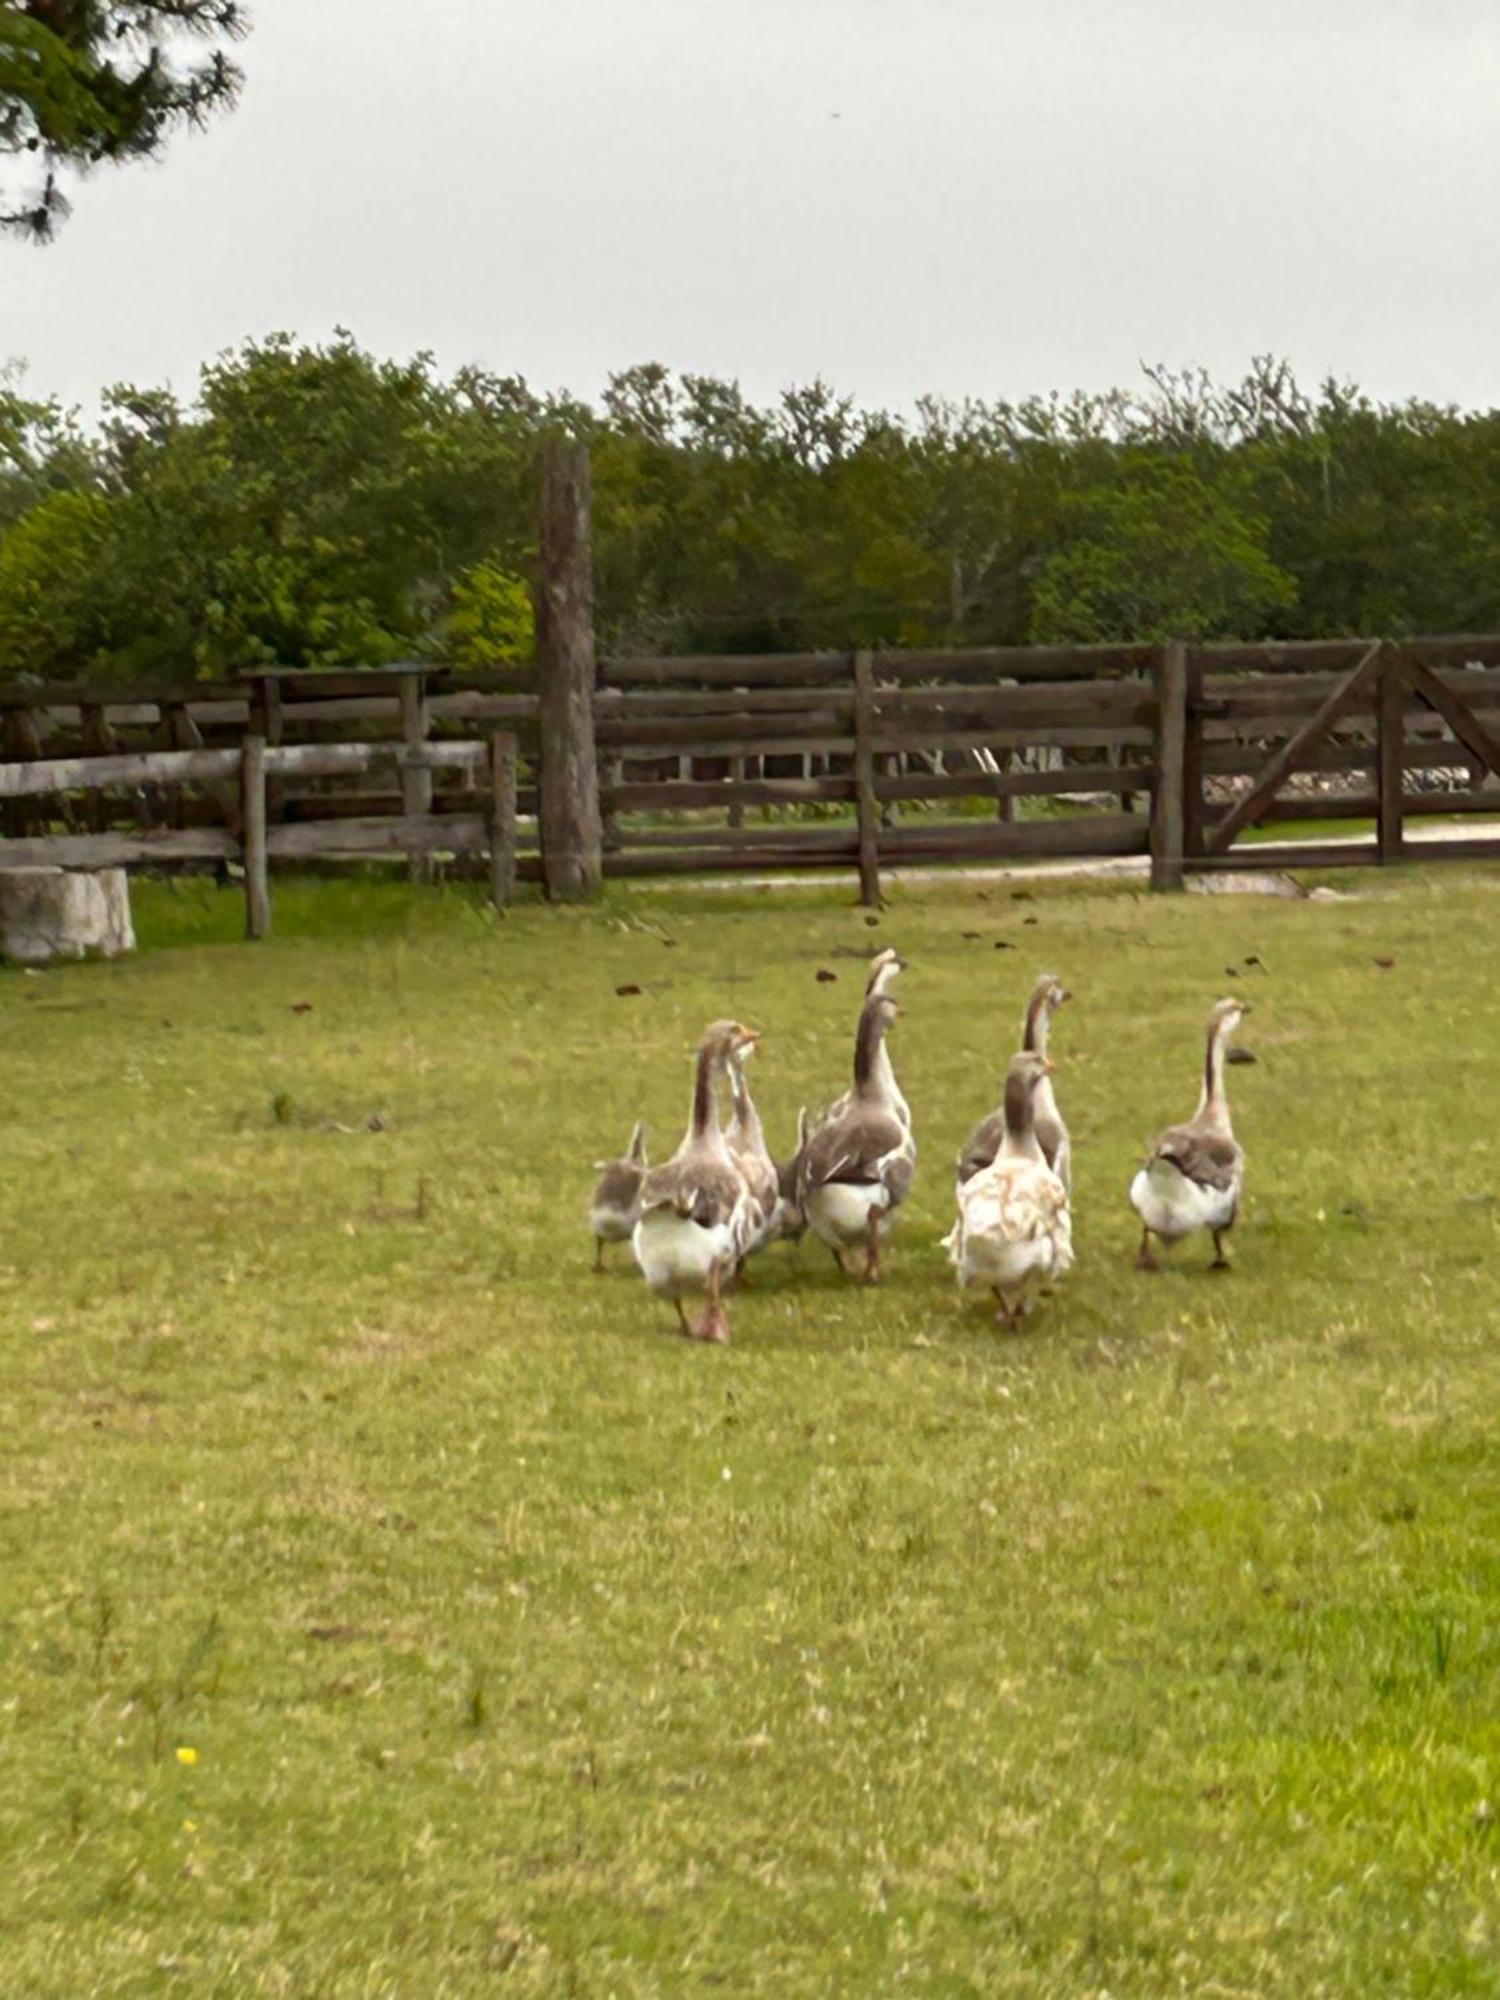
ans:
x=316 y=505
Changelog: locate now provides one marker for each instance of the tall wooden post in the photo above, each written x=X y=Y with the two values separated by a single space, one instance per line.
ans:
x=502 y=817
x=865 y=803
x=1192 y=764
x=1391 y=755
x=1167 y=819
x=253 y=824
x=568 y=815
x=416 y=780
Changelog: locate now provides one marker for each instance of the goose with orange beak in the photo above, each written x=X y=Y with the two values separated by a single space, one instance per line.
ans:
x=698 y=1215
x=1194 y=1177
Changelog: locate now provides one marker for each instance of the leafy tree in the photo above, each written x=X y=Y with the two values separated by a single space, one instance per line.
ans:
x=492 y=617
x=55 y=611
x=1165 y=554
x=90 y=81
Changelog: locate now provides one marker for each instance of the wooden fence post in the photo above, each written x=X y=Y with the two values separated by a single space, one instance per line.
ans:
x=416 y=782
x=502 y=817
x=1171 y=760
x=1391 y=755
x=568 y=816
x=1192 y=763
x=866 y=805
x=253 y=837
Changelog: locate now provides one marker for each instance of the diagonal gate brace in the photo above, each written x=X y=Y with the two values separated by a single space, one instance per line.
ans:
x=1348 y=693
x=1456 y=712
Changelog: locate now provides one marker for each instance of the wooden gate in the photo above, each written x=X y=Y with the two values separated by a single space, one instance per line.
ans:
x=1399 y=688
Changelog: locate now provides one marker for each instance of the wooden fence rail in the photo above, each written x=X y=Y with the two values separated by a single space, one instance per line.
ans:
x=574 y=767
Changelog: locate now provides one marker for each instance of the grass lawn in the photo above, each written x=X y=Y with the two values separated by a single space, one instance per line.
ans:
x=390 y=1607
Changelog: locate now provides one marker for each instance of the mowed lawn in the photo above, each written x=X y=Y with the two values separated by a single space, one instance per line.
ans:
x=392 y=1607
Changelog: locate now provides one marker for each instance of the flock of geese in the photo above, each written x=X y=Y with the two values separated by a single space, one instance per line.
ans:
x=695 y=1220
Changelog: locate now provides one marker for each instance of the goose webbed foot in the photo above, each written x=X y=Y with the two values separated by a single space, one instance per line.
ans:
x=1221 y=1255
x=1146 y=1258
x=872 y=1249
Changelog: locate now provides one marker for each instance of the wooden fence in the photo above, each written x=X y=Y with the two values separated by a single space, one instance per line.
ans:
x=577 y=768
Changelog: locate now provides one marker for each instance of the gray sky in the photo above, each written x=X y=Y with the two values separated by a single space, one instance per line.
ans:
x=979 y=197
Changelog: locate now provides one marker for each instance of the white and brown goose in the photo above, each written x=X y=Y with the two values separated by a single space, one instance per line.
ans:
x=857 y=1166
x=791 y=1223
x=697 y=1212
x=746 y=1139
x=616 y=1205
x=885 y=968
x=1014 y=1227
x=1195 y=1174
x=983 y=1143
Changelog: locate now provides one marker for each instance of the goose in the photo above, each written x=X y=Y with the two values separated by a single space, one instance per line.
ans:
x=983 y=1143
x=697 y=1211
x=1195 y=1174
x=885 y=967
x=616 y=1205
x=1014 y=1226
x=745 y=1137
x=791 y=1223
x=857 y=1166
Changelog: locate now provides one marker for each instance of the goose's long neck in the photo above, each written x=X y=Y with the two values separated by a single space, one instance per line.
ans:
x=1213 y=1100
x=1036 y=1026
x=873 y=1076
x=1020 y=1141
x=703 y=1127
x=747 y=1118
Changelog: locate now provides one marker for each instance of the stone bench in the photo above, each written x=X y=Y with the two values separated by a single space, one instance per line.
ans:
x=48 y=914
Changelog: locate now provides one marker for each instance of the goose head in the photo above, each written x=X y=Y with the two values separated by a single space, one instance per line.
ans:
x=1026 y=1071
x=1226 y=1015
x=884 y=967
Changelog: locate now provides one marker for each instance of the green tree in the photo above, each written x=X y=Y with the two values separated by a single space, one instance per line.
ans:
x=89 y=81
x=1164 y=554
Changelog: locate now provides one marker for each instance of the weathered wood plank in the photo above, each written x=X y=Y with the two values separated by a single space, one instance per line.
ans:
x=867 y=810
x=253 y=835
x=64 y=774
x=1390 y=760
x=1167 y=818
x=124 y=849
x=456 y=833
x=572 y=831
x=502 y=827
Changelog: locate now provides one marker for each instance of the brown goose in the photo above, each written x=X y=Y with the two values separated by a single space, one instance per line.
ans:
x=857 y=1166
x=746 y=1139
x=791 y=1223
x=697 y=1213
x=885 y=967
x=983 y=1143
x=1196 y=1172
x=616 y=1206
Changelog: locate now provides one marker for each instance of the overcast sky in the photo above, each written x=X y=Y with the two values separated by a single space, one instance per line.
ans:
x=980 y=197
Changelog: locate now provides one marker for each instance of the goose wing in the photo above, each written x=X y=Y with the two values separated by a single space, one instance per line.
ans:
x=869 y=1146
x=618 y=1184
x=704 y=1191
x=1211 y=1159
x=981 y=1146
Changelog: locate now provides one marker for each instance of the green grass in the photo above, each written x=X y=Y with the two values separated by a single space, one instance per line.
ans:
x=525 y=1648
